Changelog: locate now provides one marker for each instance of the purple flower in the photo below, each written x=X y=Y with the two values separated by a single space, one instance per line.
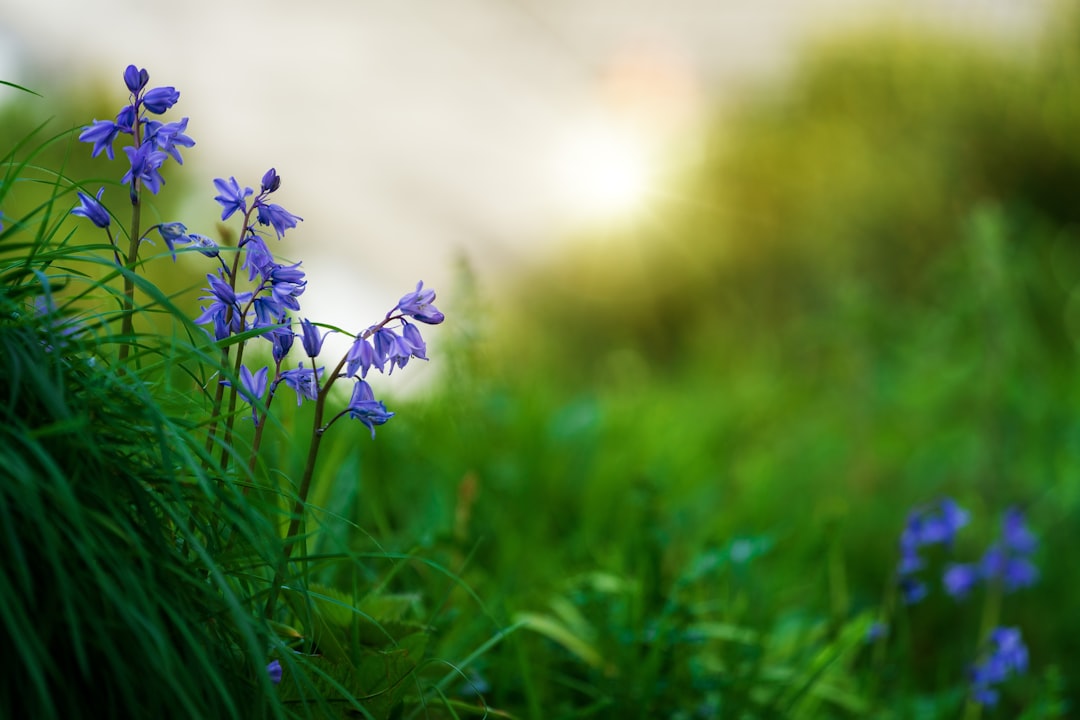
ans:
x=417 y=305
x=253 y=387
x=311 y=339
x=135 y=79
x=271 y=181
x=173 y=233
x=1016 y=534
x=125 y=119
x=145 y=163
x=274 y=671
x=224 y=310
x=361 y=357
x=1007 y=656
x=277 y=216
x=959 y=579
x=256 y=256
x=411 y=335
x=929 y=526
x=282 y=340
x=160 y=99
x=167 y=137
x=231 y=197
x=203 y=244
x=912 y=589
x=101 y=133
x=304 y=381
x=364 y=407
x=92 y=209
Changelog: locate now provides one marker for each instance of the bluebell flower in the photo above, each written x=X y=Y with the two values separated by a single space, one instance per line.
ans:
x=160 y=99
x=417 y=305
x=281 y=339
x=925 y=527
x=304 y=381
x=274 y=670
x=252 y=387
x=417 y=346
x=203 y=244
x=364 y=407
x=224 y=310
x=92 y=209
x=173 y=233
x=361 y=357
x=145 y=165
x=168 y=137
x=231 y=197
x=311 y=338
x=1007 y=656
x=125 y=120
x=1009 y=561
x=135 y=79
x=102 y=133
x=271 y=181
x=287 y=283
x=959 y=579
x=277 y=216
x=257 y=256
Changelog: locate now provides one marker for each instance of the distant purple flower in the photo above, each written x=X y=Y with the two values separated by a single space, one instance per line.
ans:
x=92 y=209
x=277 y=216
x=102 y=133
x=1016 y=534
x=160 y=99
x=304 y=381
x=924 y=527
x=417 y=305
x=876 y=631
x=1007 y=656
x=364 y=407
x=145 y=165
x=274 y=670
x=959 y=579
x=231 y=197
x=311 y=339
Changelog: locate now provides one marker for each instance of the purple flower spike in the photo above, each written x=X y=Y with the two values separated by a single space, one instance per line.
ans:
x=92 y=209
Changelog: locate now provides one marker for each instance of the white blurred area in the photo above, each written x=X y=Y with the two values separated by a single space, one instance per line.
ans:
x=410 y=134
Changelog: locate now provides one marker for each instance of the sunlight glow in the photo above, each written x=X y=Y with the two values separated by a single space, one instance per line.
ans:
x=603 y=173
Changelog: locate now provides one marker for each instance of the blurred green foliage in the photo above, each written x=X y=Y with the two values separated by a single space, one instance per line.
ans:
x=862 y=299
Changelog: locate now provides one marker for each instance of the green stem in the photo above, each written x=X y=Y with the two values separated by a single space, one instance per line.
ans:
x=128 y=319
x=300 y=506
x=990 y=617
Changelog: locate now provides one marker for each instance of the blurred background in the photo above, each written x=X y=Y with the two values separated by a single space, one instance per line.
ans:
x=730 y=287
